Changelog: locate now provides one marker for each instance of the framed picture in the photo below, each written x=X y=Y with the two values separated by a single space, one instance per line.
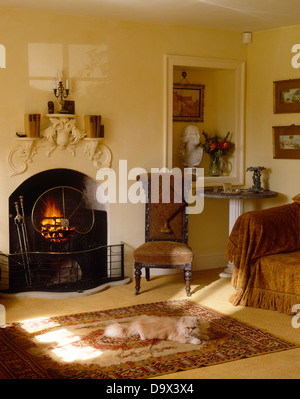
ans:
x=188 y=102
x=286 y=142
x=69 y=106
x=286 y=96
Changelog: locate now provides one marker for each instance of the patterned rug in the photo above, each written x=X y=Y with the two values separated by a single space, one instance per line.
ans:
x=74 y=346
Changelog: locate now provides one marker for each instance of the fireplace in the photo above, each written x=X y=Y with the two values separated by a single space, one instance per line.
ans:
x=58 y=235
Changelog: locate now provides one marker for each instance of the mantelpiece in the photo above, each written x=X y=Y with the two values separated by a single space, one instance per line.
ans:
x=61 y=134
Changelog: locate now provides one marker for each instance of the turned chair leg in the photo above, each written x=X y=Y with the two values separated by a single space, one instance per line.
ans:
x=187 y=278
x=137 y=274
x=147 y=273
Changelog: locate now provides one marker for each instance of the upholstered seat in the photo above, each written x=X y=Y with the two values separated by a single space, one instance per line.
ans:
x=166 y=234
x=164 y=253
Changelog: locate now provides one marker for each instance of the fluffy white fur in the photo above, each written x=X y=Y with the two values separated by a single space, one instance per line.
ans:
x=186 y=330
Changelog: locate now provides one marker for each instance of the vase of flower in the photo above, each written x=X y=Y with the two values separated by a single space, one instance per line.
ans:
x=215 y=166
x=216 y=147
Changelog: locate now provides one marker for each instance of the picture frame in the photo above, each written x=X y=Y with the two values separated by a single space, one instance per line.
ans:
x=188 y=102
x=286 y=142
x=69 y=106
x=286 y=96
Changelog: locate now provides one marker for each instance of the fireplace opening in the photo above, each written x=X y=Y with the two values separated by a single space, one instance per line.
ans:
x=58 y=235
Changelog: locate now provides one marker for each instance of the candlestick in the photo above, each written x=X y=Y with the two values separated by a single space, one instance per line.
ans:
x=63 y=93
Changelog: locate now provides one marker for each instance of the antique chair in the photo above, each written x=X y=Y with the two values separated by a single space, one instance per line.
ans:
x=166 y=232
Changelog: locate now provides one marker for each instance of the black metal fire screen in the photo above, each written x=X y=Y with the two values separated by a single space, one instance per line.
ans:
x=65 y=271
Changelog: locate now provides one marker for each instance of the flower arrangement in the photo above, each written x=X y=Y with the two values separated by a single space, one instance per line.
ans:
x=215 y=146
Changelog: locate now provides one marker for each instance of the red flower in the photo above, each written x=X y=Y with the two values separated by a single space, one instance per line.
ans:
x=225 y=145
x=213 y=146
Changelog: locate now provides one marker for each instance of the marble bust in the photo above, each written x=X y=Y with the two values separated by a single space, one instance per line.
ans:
x=190 y=151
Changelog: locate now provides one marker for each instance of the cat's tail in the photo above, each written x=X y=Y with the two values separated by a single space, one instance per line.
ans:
x=116 y=330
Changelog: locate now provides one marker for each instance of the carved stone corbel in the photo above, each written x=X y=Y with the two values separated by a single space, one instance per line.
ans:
x=97 y=152
x=21 y=155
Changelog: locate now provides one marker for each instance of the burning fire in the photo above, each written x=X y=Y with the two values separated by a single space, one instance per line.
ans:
x=54 y=226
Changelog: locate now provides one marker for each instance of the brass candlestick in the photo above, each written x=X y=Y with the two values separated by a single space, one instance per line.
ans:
x=62 y=93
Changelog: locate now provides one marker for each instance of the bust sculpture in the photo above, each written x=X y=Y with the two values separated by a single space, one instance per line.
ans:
x=190 y=151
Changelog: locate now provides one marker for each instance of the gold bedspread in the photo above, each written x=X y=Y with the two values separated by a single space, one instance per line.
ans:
x=265 y=249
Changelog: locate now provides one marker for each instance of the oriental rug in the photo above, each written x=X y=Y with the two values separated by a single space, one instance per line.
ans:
x=74 y=346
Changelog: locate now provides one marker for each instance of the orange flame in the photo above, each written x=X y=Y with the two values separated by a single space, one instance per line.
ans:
x=51 y=227
x=52 y=214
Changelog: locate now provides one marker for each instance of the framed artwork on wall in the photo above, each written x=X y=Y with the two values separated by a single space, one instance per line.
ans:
x=286 y=96
x=69 y=106
x=188 y=102
x=286 y=142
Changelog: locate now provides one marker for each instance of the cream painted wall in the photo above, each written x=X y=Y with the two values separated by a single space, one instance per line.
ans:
x=116 y=69
x=269 y=59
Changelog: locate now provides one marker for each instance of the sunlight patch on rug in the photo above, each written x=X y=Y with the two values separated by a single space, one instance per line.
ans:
x=65 y=346
x=35 y=325
x=63 y=339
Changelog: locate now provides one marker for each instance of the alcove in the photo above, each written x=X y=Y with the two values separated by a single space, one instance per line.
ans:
x=223 y=111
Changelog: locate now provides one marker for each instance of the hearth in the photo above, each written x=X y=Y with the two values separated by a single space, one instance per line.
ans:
x=58 y=235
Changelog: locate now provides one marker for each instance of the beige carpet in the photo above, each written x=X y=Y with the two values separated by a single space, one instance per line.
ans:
x=209 y=290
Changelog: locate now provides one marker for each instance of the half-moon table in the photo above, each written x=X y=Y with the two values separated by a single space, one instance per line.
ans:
x=236 y=208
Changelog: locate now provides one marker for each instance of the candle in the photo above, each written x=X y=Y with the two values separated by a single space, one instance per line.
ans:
x=67 y=84
x=54 y=84
x=58 y=76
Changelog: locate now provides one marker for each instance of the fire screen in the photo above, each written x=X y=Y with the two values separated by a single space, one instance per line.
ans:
x=58 y=241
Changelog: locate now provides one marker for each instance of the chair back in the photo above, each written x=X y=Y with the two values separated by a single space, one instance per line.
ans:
x=166 y=218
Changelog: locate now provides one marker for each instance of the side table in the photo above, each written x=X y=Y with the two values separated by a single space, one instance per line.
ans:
x=236 y=208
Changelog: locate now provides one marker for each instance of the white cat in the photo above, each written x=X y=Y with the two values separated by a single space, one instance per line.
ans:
x=186 y=330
